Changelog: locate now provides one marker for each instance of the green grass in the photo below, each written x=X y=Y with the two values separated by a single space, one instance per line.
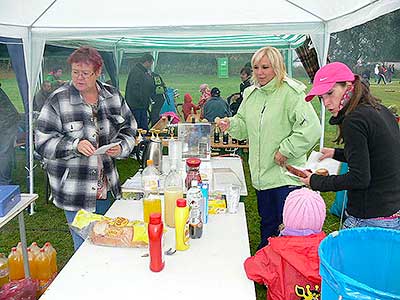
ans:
x=49 y=224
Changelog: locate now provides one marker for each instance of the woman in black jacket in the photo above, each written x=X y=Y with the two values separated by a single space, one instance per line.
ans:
x=371 y=139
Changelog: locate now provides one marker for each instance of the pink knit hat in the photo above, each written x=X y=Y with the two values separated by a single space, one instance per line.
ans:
x=304 y=209
x=327 y=76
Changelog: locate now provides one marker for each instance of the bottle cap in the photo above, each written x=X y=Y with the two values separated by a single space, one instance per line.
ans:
x=181 y=202
x=155 y=218
x=193 y=162
x=194 y=182
x=149 y=162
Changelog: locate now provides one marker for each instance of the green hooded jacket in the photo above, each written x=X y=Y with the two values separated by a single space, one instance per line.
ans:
x=275 y=118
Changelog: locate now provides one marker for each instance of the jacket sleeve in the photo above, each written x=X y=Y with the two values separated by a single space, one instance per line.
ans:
x=238 y=127
x=260 y=267
x=357 y=153
x=339 y=155
x=50 y=140
x=127 y=131
x=306 y=129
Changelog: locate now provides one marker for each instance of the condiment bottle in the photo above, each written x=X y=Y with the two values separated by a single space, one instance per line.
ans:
x=155 y=231
x=173 y=190
x=196 y=204
x=193 y=171
x=181 y=225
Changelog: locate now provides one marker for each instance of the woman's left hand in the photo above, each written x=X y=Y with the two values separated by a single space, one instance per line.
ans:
x=280 y=159
x=306 y=180
x=114 y=151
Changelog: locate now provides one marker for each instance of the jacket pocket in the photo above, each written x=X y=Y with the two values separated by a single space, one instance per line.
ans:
x=74 y=129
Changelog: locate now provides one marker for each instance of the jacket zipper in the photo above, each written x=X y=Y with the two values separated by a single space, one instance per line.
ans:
x=259 y=144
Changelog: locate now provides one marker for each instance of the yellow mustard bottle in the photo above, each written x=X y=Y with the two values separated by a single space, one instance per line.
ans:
x=181 y=225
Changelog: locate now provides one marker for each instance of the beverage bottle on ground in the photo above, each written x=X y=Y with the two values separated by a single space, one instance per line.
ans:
x=43 y=270
x=181 y=225
x=16 y=265
x=152 y=199
x=173 y=190
x=32 y=263
x=49 y=249
x=196 y=204
x=34 y=248
x=4 y=278
x=155 y=231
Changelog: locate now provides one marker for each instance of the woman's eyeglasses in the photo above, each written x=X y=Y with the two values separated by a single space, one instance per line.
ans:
x=84 y=74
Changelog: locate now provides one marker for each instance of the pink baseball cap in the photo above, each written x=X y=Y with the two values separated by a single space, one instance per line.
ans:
x=327 y=76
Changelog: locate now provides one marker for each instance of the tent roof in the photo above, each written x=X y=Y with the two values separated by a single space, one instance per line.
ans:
x=125 y=18
x=231 y=43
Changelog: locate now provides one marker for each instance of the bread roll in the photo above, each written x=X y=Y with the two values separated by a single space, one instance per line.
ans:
x=322 y=172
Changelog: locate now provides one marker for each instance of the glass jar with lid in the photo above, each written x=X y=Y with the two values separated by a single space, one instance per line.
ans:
x=193 y=171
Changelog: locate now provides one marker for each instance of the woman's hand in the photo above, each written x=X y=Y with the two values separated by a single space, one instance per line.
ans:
x=114 y=151
x=223 y=124
x=86 y=148
x=327 y=153
x=306 y=180
x=280 y=159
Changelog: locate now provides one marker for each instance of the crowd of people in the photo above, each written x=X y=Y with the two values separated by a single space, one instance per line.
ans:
x=271 y=111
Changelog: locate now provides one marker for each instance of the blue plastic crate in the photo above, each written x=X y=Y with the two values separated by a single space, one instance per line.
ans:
x=10 y=195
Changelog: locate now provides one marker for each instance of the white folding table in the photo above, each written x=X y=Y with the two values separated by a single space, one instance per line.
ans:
x=26 y=200
x=212 y=268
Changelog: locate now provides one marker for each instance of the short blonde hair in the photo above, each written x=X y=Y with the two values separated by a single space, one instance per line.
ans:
x=276 y=59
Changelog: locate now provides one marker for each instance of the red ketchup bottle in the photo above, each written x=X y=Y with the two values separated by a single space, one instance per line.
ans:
x=155 y=230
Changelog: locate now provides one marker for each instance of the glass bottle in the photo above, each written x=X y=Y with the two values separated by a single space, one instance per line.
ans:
x=152 y=199
x=173 y=190
x=193 y=171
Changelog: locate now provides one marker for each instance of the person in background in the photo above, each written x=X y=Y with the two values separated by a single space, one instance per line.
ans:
x=205 y=94
x=8 y=134
x=139 y=89
x=158 y=98
x=236 y=99
x=381 y=74
x=290 y=262
x=390 y=73
x=41 y=96
x=371 y=139
x=188 y=107
x=77 y=119
x=376 y=72
x=216 y=106
x=54 y=77
x=280 y=128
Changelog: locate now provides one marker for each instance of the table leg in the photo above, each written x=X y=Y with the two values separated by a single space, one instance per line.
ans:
x=22 y=235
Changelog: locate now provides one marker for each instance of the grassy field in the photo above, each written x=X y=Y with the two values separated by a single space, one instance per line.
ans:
x=48 y=223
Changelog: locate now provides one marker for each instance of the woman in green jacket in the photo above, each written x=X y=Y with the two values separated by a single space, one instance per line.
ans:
x=280 y=128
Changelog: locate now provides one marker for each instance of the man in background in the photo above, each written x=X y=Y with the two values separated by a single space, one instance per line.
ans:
x=216 y=106
x=8 y=132
x=41 y=96
x=139 y=89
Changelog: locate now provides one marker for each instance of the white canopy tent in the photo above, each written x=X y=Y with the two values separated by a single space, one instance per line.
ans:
x=36 y=22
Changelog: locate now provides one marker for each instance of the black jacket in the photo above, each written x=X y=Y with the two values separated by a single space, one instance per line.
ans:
x=372 y=151
x=216 y=107
x=139 y=88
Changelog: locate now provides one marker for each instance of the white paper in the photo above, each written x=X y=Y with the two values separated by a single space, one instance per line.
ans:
x=103 y=149
x=330 y=164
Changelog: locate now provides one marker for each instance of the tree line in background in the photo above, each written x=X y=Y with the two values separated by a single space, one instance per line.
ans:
x=376 y=41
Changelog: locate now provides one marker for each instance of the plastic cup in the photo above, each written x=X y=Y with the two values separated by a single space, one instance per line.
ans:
x=232 y=198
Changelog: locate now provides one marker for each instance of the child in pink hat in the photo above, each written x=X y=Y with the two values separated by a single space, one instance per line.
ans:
x=289 y=265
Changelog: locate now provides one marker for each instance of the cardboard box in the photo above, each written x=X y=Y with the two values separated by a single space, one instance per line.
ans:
x=10 y=195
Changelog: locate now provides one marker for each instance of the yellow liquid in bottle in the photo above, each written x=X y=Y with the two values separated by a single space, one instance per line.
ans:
x=150 y=205
x=170 y=197
x=3 y=270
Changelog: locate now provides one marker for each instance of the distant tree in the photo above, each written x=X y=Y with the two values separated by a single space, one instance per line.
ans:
x=377 y=40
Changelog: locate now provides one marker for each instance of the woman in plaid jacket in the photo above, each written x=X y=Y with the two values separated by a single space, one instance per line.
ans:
x=78 y=118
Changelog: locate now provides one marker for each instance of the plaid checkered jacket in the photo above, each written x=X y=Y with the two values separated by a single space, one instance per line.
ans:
x=64 y=120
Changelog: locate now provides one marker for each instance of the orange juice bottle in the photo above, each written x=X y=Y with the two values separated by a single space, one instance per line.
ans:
x=32 y=263
x=15 y=265
x=34 y=248
x=43 y=270
x=49 y=249
x=3 y=270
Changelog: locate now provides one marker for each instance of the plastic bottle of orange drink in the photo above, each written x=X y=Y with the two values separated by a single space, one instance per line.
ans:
x=52 y=253
x=173 y=190
x=3 y=270
x=43 y=270
x=15 y=265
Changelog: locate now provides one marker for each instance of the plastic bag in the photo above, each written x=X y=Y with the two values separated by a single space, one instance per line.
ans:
x=83 y=220
x=24 y=289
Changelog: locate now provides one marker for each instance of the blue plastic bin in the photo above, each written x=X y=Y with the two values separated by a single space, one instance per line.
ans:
x=360 y=263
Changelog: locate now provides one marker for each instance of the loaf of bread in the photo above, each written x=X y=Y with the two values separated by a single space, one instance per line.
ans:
x=297 y=172
x=119 y=232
